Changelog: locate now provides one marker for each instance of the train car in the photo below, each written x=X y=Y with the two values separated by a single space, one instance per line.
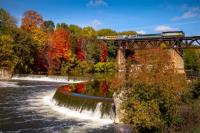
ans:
x=110 y=37
x=149 y=35
x=122 y=37
x=107 y=37
x=132 y=36
x=173 y=34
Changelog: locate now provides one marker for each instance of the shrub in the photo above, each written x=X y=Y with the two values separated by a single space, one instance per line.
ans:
x=196 y=88
x=105 y=67
x=153 y=94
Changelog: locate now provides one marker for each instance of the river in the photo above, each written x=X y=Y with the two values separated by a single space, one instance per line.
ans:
x=27 y=106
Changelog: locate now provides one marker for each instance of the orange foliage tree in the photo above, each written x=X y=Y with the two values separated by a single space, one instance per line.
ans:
x=80 y=88
x=59 y=49
x=31 y=20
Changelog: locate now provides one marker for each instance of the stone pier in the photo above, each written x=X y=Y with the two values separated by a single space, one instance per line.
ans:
x=176 y=59
x=121 y=60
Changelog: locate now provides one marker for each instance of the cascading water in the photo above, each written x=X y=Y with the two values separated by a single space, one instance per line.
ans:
x=90 y=107
x=27 y=104
x=51 y=78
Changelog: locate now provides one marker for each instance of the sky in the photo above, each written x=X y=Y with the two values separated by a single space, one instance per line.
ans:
x=143 y=16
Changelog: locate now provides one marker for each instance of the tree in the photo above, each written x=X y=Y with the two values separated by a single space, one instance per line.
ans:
x=79 y=52
x=62 y=25
x=127 y=33
x=106 y=32
x=8 y=59
x=154 y=91
x=49 y=26
x=31 y=20
x=75 y=29
x=104 y=52
x=89 y=33
x=25 y=50
x=191 y=59
x=60 y=49
x=7 y=23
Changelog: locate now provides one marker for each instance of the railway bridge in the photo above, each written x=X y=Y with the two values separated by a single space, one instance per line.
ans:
x=174 y=42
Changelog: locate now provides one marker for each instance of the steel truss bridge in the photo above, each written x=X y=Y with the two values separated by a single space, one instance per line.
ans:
x=174 y=42
x=177 y=43
x=149 y=42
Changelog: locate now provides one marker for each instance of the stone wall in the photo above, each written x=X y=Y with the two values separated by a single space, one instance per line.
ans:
x=5 y=74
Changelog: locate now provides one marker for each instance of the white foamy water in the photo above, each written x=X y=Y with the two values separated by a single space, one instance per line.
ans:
x=8 y=84
x=28 y=107
x=94 y=116
x=60 y=79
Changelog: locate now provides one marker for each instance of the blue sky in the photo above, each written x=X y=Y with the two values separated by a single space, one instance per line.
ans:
x=145 y=16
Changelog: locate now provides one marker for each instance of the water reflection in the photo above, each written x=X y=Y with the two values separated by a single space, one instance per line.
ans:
x=98 y=88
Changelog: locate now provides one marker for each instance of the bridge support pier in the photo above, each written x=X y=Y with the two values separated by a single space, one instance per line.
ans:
x=121 y=60
x=177 y=60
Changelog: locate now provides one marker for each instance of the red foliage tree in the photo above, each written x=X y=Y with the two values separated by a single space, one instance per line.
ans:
x=104 y=53
x=79 y=52
x=80 y=88
x=104 y=87
x=60 y=48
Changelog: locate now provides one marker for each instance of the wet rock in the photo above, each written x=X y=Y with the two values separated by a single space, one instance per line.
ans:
x=5 y=74
x=123 y=128
x=118 y=98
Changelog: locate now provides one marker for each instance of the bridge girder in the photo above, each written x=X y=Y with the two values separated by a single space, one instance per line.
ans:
x=169 y=42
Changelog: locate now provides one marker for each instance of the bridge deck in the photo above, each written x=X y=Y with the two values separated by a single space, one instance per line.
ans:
x=155 y=38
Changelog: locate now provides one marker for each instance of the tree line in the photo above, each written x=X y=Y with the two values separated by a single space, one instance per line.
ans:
x=41 y=46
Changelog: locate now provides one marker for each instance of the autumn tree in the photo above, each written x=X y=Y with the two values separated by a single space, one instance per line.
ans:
x=79 y=52
x=49 y=26
x=153 y=91
x=60 y=49
x=31 y=20
x=104 y=52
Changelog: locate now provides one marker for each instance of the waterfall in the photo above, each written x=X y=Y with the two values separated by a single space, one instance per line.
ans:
x=88 y=106
x=51 y=78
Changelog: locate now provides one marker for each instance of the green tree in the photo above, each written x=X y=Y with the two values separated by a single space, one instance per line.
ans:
x=127 y=33
x=89 y=33
x=191 y=59
x=106 y=32
x=8 y=59
x=63 y=26
x=49 y=26
x=7 y=22
x=75 y=29
x=25 y=50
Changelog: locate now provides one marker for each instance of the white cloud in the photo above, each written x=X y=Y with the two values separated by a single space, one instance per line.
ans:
x=186 y=15
x=96 y=23
x=96 y=3
x=141 y=32
x=189 y=12
x=162 y=28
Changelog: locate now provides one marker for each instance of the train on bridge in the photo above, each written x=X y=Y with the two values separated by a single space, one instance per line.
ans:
x=143 y=36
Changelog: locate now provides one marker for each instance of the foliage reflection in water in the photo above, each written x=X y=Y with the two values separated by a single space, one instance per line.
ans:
x=94 y=97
